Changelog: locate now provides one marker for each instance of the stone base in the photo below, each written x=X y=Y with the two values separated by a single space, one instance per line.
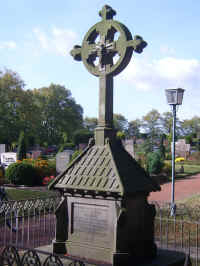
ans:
x=164 y=258
x=59 y=247
x=102 y=133
x=90 y=253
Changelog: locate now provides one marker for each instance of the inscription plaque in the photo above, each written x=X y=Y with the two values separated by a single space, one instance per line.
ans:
x=90 y=219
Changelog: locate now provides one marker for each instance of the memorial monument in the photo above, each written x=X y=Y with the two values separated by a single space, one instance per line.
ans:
x=104 y=215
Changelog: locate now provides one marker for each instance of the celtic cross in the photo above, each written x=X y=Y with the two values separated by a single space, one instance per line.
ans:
x=106 y=50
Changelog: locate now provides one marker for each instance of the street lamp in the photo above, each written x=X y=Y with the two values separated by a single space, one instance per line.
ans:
x=174 y=98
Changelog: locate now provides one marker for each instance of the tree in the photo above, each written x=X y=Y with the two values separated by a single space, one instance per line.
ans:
x=65 y=143
x=162 y=147
x=191 y=126
x=11 y=85
x=134 y=128
x=82 y=136
x=154 y=163
x=166 y=122
x=90 y=123
x=58 y=113
x=22 y=147
x=120 y=122
x=151 y=125
x=43 y=114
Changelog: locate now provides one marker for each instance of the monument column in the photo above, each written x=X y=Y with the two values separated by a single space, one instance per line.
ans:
x=105 y=101
x=105 y=129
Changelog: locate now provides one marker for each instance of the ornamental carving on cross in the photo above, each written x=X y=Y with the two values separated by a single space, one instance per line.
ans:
x=106 y=50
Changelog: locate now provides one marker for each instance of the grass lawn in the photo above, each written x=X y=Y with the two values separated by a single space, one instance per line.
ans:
x=23 y=194
x=189 y=169
x=192 y=201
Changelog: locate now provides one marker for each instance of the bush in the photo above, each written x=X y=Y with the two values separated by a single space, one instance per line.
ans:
x=167 y=168
x=168 y=156
x=47 y=180
x=21 y=173
x=154 y=163
x=43 y=167
x=141 y=159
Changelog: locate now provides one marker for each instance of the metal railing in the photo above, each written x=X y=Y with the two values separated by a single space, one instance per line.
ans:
x=11 y=255
x=29 y=223
x=180 y=232
x=33 y=223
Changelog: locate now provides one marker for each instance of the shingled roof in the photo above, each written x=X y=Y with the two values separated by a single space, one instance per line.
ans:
x=105 y=169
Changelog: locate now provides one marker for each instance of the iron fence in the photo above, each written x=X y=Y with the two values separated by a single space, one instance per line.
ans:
x=180 y=232
x=29 y=223
x=19 y=256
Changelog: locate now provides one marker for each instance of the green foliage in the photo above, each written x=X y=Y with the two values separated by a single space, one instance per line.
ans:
x=22 y=147
x=90 y=123
x=134 y=128
x=82 y=136
x=121 y=135
x=22 y=174
x=65 y=144
x=75 y=154
x=57 y=113
x=189 y=139
x=146 y=146
x=162 y=148
x=142 y=159
x=120 y=122
x=154 y=163
x=167 y=168
x=43 y=114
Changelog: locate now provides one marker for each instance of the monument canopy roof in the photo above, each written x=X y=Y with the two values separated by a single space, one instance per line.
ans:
x=107 y=169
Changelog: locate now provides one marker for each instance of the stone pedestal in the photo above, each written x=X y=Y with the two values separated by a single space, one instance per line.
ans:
x=106 y=230
x=92 y=228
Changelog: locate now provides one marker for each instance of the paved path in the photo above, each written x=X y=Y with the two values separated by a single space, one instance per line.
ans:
x=183 y=188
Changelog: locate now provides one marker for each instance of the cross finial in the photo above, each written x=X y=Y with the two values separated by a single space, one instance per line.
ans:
x=106 y=50
x=138 y=44
x=76 y=52
x=107 y=12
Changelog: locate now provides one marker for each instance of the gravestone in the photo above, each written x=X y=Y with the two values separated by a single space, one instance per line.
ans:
x=34 y=154
x=8 y=158
x=104 y=215
x=181 y=148
x=62 y=160
x=2 y=148
x=82 y=146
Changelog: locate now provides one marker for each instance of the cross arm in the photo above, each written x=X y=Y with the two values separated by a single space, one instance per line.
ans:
x=76 y=52
x=138 y=44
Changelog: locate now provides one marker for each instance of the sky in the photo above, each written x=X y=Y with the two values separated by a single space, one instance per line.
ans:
x=36 y=38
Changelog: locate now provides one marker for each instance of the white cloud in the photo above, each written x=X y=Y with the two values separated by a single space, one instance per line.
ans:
x=164 y=73
x=166 y=50
x=58 y=41
x=8 y=45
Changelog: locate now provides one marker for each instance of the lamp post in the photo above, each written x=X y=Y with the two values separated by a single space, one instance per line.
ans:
x=174 y=98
